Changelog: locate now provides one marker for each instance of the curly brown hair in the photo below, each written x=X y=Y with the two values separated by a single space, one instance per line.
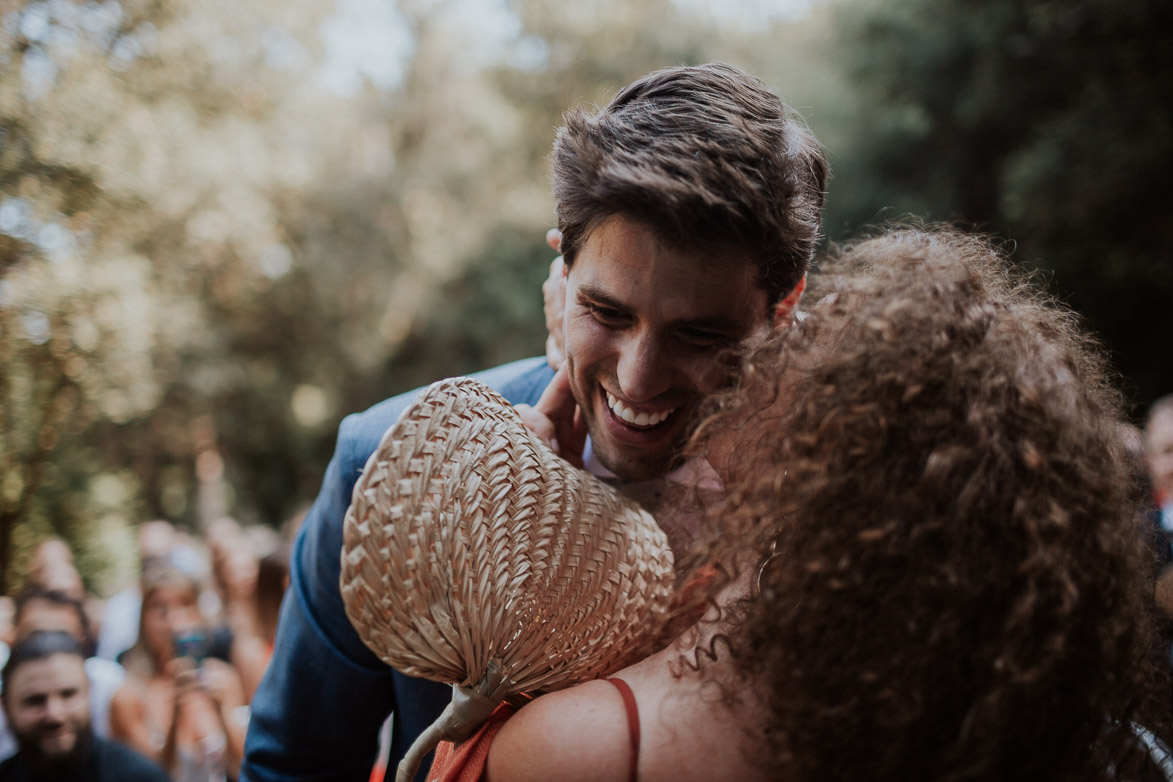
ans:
x=959 y=586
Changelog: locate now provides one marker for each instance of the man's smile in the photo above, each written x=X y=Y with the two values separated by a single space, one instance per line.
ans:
x=58 y=737
x=640 y=420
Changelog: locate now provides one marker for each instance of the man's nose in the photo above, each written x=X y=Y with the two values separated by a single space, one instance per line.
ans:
x=644 y=370
x=54 y=712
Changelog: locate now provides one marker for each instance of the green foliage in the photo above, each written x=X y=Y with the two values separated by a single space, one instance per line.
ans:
x=488 y=316
x=221 y=230
x=1046 y=122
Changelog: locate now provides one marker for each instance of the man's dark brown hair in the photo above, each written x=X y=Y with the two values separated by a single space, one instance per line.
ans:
x=950 y=576
x=706 y=156
x=34 y=592
x=38 y=646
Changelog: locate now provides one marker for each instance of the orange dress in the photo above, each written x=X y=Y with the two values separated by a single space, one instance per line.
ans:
x=465 y=762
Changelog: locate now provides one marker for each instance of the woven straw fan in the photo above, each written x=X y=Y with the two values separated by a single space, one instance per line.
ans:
x=474 y=555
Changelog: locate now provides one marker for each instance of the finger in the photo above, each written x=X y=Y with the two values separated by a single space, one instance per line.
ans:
x=554 y=239
x=554 y=286
x=544 y=428
x=553 y=306
x=575 y=439
x=186 y=683
x=554 y=354
x=557 y=403
x=179 y=666
x=537 y=423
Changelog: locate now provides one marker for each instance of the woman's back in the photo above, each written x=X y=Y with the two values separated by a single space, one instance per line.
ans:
x=691 y=727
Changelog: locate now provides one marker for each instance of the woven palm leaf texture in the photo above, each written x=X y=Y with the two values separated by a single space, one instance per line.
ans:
x=474 y=555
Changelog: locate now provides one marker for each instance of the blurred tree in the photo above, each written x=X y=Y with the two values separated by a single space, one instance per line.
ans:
x=1045 y=121
x=143 y=147
x=224 y=226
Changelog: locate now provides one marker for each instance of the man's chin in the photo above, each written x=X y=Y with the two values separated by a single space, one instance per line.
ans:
x=55 y=762
x=635 y=461
x=633 y=466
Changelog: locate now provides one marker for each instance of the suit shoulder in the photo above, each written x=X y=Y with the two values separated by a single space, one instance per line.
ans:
x=520 y=382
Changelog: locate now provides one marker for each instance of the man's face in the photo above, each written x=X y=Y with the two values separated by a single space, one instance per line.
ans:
x=48 y=708
x=646 y=326
x=1159 y=453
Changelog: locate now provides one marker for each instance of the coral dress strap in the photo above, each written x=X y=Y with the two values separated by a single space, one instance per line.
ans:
x=466 y=762
x=632 y=724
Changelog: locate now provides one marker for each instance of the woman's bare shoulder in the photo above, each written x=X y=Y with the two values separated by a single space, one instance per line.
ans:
x=132 y=694
x=575 y=734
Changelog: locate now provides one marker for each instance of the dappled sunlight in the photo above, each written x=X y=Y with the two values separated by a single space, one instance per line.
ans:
x=268 y=215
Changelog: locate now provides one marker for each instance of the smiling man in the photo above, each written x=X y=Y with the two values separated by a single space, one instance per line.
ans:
x=642 y=326
x=46 y=700
x=38 y=610
x=689 y=209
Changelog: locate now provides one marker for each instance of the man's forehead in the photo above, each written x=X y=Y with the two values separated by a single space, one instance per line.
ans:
x=58 y=671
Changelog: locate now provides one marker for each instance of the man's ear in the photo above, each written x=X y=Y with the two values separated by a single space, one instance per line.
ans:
x=785 y=309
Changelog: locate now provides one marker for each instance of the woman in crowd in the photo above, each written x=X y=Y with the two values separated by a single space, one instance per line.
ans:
x=184 y=708
x=250 y=567
x=930 y=566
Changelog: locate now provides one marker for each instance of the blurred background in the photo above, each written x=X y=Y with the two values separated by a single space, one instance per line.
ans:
x=225 y=225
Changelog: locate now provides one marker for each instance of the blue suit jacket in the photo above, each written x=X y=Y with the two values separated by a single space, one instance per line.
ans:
x=318 y=710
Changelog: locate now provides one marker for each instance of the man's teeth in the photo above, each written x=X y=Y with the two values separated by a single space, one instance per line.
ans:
x=640 y=419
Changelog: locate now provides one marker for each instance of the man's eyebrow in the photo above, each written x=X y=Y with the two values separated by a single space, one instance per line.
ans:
x=600 y=297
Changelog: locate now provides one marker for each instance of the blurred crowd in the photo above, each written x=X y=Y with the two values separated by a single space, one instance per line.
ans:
x=174 y=658
x=1157 y=447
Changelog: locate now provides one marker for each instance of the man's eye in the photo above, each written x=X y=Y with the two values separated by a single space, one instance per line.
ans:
x=606 y=315
x=706 y=339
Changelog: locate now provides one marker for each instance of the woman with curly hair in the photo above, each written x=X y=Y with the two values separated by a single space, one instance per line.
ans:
x=930 y=555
